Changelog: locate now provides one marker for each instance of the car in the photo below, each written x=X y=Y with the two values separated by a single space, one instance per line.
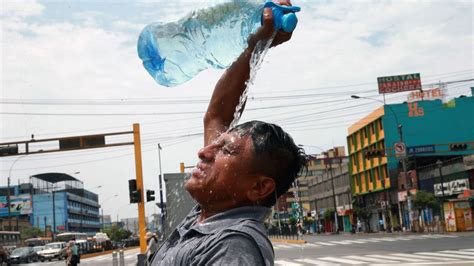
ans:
x=56 y=250
x=23 y=254
x=38 y=249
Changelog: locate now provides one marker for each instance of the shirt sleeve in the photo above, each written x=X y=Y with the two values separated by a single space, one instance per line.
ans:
x=232 y=250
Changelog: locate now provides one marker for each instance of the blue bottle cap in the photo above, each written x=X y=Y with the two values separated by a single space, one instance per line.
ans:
x=289 y=21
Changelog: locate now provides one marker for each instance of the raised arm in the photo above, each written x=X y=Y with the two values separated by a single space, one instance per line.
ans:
x=231 y=85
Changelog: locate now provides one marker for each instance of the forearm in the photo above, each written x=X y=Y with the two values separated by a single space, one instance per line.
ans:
x=225 y=98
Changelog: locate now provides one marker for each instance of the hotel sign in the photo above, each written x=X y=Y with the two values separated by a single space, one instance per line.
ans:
x=434 y=94
x=400 y=83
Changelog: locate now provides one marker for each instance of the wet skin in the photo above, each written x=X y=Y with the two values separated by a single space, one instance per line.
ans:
x=225 y=178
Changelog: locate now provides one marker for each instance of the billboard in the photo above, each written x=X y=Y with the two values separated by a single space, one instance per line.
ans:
x=400 y=83
x=19 y=205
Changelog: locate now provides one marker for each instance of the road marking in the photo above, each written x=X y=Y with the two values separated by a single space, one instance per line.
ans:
x=281 y=247
x=368 y=259
x=341 y=260
x=432 y=263
x=387 y=239
x=315 y=262
x=421 y=257
x=372 y=239
x=402 y=238
x=340 y=242
x=469 y=253
x=287 y=263
x=468 y=249
x=397 y=258
x=356 y=241
x=312 y=245
x=325 y=244
x=445 y=255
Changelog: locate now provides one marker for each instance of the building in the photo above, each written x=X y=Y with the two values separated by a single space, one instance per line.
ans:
x=434 y=132
x=329 y=191
x=53 y=202
x=61 y=204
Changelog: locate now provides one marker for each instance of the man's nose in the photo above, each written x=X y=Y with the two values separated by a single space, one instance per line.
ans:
x=206 y=153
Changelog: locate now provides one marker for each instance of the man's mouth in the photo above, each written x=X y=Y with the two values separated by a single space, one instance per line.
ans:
x=198 y=171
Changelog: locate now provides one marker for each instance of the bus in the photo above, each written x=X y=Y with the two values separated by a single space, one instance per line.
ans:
x=68 y=236
x=37 y=241
x=10 y=240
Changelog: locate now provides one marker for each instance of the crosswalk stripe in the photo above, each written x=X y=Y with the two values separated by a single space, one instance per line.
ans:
x=287 y=263
x=468 y=249
x=445 y=255
x=387 y=239
x=421 y=257
x=340 y=242
x=397 y=258
x=325 y=244
x=371 y=240
x=312 y=245
x=356 y=241
x=469 y=253
x=368 y=259
x=315 y=262
x=402 y=238
x=341 y=260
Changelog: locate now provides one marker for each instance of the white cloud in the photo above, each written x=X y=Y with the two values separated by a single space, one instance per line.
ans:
x=22 y=8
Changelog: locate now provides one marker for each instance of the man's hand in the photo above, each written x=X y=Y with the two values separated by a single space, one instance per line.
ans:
x=266 y=30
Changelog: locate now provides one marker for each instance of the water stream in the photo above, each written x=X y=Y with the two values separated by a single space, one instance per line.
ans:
x=256 y=60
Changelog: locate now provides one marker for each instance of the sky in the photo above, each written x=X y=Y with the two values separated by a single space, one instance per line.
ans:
x=70 y=68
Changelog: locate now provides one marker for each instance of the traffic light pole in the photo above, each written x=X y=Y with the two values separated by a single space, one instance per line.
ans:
x=139 y=178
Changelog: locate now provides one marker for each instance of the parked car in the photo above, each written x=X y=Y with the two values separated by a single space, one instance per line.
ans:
x=56 y=250
x=24 y=254
x=38 y=249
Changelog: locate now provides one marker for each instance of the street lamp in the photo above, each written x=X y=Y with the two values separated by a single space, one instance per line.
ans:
x=403 y=160
x=8 y=191
x=102 y=209
x=439 y=163
x=162 y=206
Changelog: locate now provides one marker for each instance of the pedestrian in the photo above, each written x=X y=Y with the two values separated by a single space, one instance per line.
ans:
x=72 y=251
x=241 y=172
x=152 y=246
x=359 y=226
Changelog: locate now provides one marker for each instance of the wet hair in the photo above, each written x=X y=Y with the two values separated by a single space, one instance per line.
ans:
x=277 y=155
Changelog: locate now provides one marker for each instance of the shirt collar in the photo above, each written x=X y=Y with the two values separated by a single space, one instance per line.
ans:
x=227 y=218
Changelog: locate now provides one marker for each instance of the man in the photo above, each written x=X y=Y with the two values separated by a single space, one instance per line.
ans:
x=152 y=245
x=241 y=173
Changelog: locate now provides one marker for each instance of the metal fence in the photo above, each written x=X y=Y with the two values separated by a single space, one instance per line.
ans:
x=284 y=232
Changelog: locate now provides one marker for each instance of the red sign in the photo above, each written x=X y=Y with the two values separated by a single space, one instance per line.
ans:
x=392 y=84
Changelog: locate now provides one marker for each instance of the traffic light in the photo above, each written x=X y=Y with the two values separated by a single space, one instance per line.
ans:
x=458 y=147
x=8 y=150
x=135 y=195
x=150 y=195
x=374 y=153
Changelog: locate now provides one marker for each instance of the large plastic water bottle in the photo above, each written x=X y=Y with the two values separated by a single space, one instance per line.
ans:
x=175 y=52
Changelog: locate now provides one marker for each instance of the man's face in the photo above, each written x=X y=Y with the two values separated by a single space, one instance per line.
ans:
x=224 y=173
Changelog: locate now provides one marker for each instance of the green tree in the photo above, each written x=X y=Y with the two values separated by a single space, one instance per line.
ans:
x=31 y=232
x=116 y=233
x=364 y=213
x=329 y=214
x=425 y=200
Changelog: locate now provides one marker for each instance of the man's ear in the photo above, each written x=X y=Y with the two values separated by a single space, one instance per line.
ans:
x=262 y=187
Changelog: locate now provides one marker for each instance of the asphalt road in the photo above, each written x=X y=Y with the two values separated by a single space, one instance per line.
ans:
x=379 y=249
x=360 y=249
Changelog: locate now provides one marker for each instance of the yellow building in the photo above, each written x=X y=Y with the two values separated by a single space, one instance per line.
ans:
x=369 y=176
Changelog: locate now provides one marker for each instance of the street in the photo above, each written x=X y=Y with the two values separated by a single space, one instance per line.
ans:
x=360 y=249
x=379 y=249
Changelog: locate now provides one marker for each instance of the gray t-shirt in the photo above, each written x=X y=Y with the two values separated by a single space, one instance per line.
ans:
x=233 y=237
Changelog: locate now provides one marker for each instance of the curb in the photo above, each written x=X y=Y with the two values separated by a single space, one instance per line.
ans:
x=91 y=255
x=287 y=241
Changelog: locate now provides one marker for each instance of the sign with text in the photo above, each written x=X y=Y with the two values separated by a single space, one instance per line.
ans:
x=451 y=187
x=426 y=95
x=400 y=83
x=421 y=149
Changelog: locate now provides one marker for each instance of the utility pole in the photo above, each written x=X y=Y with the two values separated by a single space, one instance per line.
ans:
x=162 y=206
x=54 y=216
x=439 y=163
x=336 y=229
